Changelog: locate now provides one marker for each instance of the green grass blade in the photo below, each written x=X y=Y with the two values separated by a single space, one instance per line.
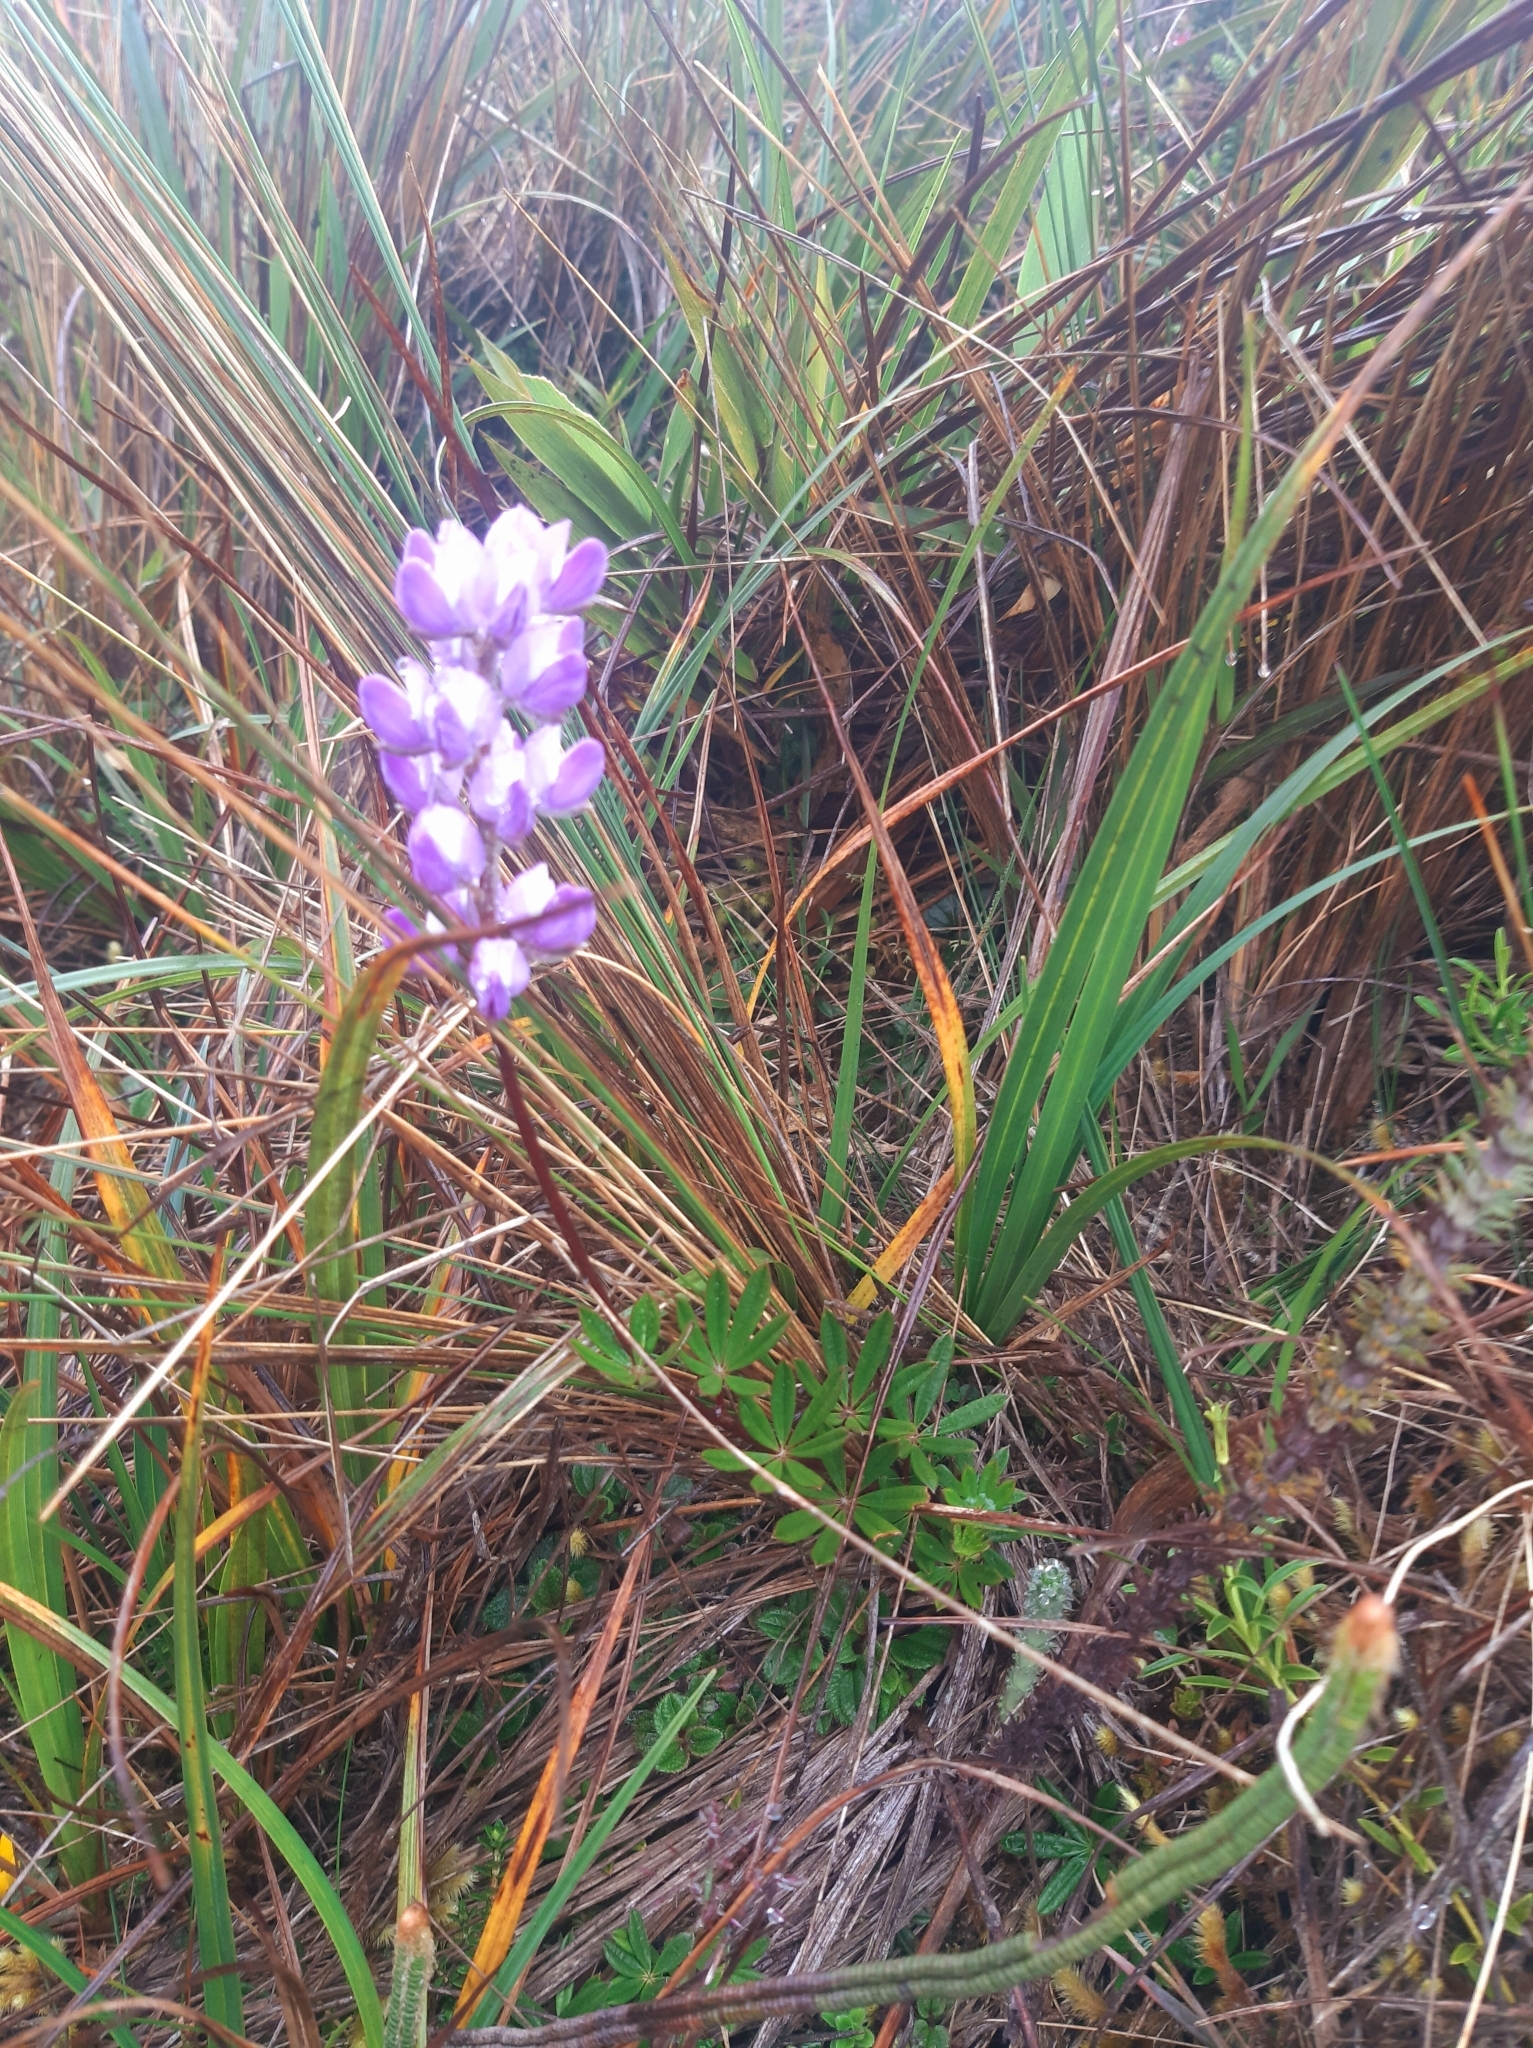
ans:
x=29 y=1553
x=331 y=1236
x=89 y=1655
x=223 y=1995
x=1408 y=862
x=53 y=1959
x=1072 y=1013
x=833 y=1198
x=327 y=99
x=520 y=1960
x=43 y=1683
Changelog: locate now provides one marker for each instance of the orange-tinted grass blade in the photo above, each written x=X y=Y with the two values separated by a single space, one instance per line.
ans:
x=122 y=1195
x=902 y=1244
x=207 y=1539
x=1503 y=872
x=521 y=1866
x=941 y=1003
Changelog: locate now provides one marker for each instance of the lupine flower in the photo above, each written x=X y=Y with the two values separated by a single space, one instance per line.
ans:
x=543 y=670
x=498 y=793
x=561 y=779
x=446 y=849
x=552 y=920
x=398 y=712
x=464 y=714
x=415 y=780
x=456 y=587
x=498 y=616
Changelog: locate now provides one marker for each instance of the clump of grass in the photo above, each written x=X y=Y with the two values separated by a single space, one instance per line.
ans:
x=1066 y=494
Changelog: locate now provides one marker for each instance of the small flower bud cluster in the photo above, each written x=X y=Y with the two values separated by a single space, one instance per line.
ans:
x=469 y=743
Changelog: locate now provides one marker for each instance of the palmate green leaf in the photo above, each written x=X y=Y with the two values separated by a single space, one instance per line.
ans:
x=84 y=1651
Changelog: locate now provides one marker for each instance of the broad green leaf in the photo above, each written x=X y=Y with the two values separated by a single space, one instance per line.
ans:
x=578 y=450
x=329 y=1215
x=1072 y=1011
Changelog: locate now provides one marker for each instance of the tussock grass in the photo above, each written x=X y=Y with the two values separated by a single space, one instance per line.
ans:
x=1067 y=483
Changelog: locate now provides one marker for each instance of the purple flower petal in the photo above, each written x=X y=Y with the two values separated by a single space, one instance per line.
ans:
x=464 y=713
x=513 y=817
x=418 y=547
x=480 y=598
x=423 y=602
x=498 y=971
x=553 y=920
x=560 y=779
x=579 y=772
x=527 y=895
x=443 y=957
x=499 y=794
x=509 y=616
x=558 y=689
x=542 y=645
x=566 y=924
x=446 y=849
x=583 y=574
x=415 y=780
x=389 y=713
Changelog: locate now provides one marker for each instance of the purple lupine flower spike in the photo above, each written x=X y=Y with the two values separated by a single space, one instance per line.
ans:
x=498 y=617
